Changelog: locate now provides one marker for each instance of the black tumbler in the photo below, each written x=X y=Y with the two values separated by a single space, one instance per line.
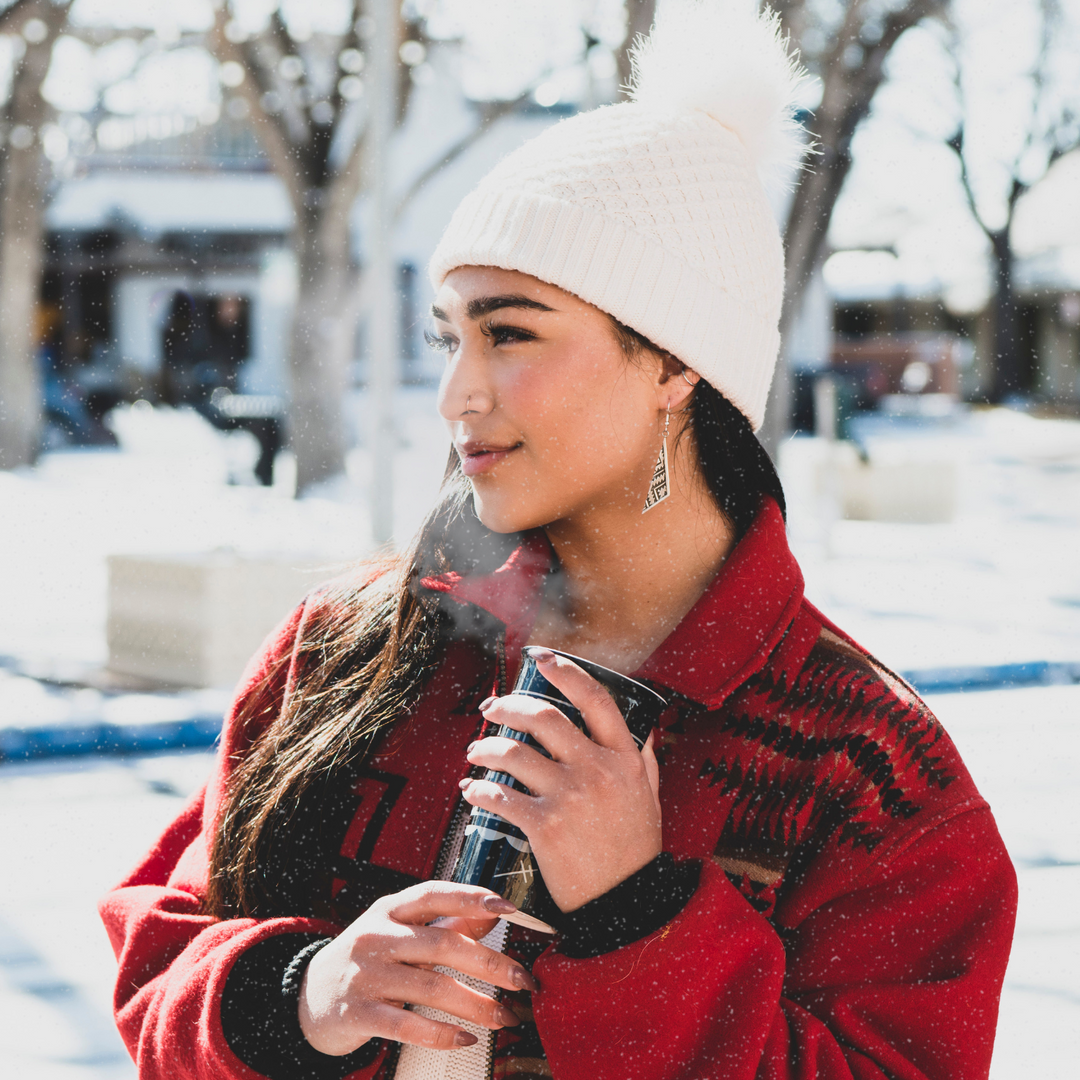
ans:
x=496 y=854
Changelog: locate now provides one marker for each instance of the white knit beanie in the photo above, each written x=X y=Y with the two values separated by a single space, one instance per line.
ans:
x=654 y=210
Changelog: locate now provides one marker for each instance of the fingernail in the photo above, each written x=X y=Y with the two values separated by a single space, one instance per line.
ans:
x=541 y=656
x=523 y=980
x=470 y=747
x=497 y=905
x=463 y=784
x=507 y=1018
x=487 y=703
x=464 y=1038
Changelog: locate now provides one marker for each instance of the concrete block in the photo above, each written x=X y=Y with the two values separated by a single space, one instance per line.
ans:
x=917 y=491
x=196 y=620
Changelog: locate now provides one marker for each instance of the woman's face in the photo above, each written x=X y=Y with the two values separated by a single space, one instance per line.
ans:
x=549 y=417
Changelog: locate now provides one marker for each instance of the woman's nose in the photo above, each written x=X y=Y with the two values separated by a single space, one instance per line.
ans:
x=462 y=392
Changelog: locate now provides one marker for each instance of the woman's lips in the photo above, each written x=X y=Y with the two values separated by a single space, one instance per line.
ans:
x=479 y=459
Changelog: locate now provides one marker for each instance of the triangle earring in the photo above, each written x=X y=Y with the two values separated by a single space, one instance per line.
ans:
x=660 y=485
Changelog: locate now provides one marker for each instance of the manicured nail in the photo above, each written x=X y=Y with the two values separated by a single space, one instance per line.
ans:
x=463 y=784
x=541 y=656
x=469 y=749
x=497 y=905
x=523 y=980
x=464 y=1038
x=487 y=703
x=507 y=1018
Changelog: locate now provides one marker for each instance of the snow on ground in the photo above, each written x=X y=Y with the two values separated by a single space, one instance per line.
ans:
x=999 y=584
x=168 y=493
x=1023 y=748
x=72 y=828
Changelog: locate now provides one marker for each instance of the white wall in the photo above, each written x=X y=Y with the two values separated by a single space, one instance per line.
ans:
x=142 y=308
x=271 y=320
x=810 y=342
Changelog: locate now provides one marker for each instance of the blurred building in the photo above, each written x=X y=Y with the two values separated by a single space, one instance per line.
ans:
x=1046 y=235
x=167 y=255
x=168 y=270
x=875 y=297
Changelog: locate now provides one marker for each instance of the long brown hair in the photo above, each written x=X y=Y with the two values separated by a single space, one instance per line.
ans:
x=367 y=647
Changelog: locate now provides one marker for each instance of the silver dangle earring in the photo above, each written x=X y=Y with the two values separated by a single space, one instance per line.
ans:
x=660 y=485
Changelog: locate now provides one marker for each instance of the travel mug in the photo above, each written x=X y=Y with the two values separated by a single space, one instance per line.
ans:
x=496 y=854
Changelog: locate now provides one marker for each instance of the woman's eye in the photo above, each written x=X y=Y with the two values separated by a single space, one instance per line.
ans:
x=440 y=343
x=504 y=335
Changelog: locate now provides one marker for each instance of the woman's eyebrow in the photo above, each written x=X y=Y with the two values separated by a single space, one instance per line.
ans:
x=485 y=305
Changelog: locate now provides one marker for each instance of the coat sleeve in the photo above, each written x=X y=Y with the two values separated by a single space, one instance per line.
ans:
x=897 y=977
x=178 y=965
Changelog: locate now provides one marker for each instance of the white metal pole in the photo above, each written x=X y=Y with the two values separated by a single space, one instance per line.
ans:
x=384 y=323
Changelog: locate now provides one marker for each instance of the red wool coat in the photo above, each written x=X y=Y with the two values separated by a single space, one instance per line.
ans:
x=851 y=916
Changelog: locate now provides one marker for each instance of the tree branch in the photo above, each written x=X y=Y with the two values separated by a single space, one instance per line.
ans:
x=12 y=17
x=270 y=131
x=956 y=141
x=495 y=112
x=339 y=198
x=1017 y=187
x=846 y=97
x=262 y=58
x=956 y=144
x=279 y=34
x=349 y=41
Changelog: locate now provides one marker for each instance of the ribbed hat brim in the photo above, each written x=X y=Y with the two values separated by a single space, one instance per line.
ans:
x=624 y=273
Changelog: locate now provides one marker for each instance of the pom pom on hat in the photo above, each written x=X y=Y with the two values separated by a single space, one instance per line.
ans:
x=653 y=210
x=723 y=58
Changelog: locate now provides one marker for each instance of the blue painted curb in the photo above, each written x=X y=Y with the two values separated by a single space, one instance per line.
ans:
x=202 y=730
x=67 y=740
x=995 y=677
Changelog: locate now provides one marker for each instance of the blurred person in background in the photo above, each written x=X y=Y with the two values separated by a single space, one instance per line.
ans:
x=795 y=877
x=204 y=343
x=72 y=417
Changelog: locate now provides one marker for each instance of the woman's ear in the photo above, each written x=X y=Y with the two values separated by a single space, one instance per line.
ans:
x=675 y=383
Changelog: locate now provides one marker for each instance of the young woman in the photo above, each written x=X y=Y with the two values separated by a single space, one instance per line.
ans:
x=795 y=878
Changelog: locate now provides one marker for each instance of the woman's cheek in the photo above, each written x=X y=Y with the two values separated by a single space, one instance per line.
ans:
x=536 y=486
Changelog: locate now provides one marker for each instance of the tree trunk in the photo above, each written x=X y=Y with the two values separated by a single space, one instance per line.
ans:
x=804 y=245
x=21 y=257
x=1008 y=370
x=639 y=20
x=320 y=353
x=20 y=277
x=846 y=97
x=328 y=303
x=842 y=108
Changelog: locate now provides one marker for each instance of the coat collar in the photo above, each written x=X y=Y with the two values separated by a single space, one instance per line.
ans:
x=724 y=638
x=741 y=617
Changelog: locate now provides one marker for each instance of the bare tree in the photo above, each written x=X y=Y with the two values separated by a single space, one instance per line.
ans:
x=848 y=54
x=299 y=99
x=38 y=23
x=1053 y=130
x=303 y=100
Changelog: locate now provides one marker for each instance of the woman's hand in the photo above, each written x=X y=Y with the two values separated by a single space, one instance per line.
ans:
x=356 y=987
x=593 y=817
